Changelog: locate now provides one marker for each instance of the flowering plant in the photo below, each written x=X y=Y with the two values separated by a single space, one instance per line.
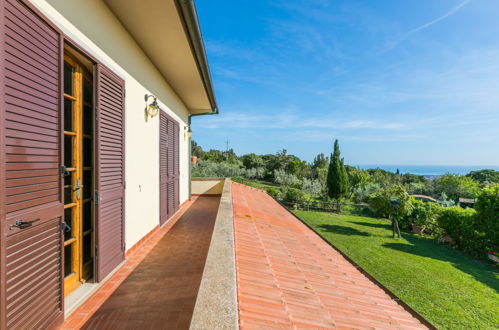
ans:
x=494 y=256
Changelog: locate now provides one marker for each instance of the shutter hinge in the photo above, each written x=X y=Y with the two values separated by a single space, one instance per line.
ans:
x=96 y=197
x=96 y=252
x=124 y=246
x=96 y=114
x=124 y=184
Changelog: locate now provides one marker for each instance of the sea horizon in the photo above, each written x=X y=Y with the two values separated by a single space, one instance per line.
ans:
x=429 y=170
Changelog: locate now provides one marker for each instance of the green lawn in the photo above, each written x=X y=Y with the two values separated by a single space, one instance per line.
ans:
x=450 y=289
x=255 y=184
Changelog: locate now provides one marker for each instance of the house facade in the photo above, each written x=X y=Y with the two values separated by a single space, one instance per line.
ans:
x=96 y=102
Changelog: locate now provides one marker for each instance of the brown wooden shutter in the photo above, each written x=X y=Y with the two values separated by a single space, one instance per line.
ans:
x=176 y=170
x=31 y=287
x=110 y=171
x=168 y=167
x=171 y=168
x=163 y=167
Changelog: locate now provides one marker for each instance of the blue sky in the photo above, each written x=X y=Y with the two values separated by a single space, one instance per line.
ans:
x=396 y=81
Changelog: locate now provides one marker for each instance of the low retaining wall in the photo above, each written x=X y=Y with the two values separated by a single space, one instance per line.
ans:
x=207 y=186
x=216 y=303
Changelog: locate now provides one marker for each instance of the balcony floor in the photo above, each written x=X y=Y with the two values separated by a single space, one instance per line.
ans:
x=161 y=291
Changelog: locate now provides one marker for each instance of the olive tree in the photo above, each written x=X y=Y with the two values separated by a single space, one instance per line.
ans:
x=394 y=203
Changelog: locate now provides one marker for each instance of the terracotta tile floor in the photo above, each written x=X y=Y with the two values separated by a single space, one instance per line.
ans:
x=158 y=285
x=288 y=277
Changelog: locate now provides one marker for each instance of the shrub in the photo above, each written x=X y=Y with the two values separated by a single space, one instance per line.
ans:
x=207 y=168
x=423 y=214
x=314 y=187
x=460 y=224
x=285 y=179
x=487 y=206
x=293 y=194
x=253 y=173
x=456 y=186
x=381 y=202
x=445 y=202
x=274 y=192
x=415 y=188
x=361 y=194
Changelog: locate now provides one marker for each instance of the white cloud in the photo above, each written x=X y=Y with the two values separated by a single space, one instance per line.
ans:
x=438 y=19
x=428 y=24
x=248 y=119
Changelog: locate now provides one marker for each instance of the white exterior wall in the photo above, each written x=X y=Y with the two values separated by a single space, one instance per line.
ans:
x=91 y=25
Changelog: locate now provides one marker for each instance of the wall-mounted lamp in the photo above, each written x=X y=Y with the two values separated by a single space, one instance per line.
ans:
x=151 y=109
x=189 y=132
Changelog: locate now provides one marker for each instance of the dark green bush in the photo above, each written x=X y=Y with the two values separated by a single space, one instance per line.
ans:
x=274 y=192
x=381 y=202
x=293 y=195
x=460 y=224
x=423 y=214
x=487 y=206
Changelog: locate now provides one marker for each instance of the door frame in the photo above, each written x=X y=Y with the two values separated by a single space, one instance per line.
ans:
x=80 y=273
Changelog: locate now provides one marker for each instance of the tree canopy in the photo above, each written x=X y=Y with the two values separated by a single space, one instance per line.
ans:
x=337 y=178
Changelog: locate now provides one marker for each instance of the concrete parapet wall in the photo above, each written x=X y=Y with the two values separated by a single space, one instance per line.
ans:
x=207 y=186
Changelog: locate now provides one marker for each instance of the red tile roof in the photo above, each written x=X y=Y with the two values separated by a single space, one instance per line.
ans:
x=288 y=277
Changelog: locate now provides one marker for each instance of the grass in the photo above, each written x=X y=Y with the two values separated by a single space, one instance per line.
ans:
x=450 y=289
x=255 y=184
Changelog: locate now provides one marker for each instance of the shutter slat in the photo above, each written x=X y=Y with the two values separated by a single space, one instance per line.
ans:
x=34 y=122
x=20 y=101
x=163 y=170
x=27 y=81
x=16 y=9
x=31 y=155
x=110 y=171
x=168 y=166
x=31 y=113
x=27 y=69
x=12 y=183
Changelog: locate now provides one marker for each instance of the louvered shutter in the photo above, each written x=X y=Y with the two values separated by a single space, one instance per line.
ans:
x=110 y=171
x=163 y=167
x=176 y=170
x=31 y=292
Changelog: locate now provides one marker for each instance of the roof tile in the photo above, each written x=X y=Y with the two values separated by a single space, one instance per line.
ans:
x=289 y=278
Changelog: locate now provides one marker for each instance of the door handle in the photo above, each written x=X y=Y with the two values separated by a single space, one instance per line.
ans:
x=21 y=224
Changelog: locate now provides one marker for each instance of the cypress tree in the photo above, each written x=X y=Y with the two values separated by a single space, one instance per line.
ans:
x=337 y=177
x=345 y=186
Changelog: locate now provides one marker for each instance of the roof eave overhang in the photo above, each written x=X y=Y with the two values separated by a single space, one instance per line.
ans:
x=188 y=14
x=168 y=32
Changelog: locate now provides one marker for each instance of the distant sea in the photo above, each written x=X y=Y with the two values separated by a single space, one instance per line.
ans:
x=429 y=170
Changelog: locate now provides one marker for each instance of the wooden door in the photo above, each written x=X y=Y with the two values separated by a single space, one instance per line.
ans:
x=31 y=199
x=110 y=172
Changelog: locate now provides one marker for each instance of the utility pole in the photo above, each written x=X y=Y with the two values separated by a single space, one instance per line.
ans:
x=227 y=150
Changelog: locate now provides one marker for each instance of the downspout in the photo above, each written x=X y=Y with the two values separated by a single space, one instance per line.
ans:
x=189 y=18
x=189 y=132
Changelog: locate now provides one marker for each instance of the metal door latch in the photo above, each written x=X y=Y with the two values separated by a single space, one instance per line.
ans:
x=65 y=227
x=64 y=171
x=21 y=224
x=78 y=188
